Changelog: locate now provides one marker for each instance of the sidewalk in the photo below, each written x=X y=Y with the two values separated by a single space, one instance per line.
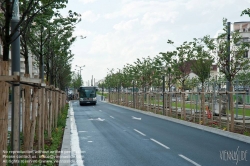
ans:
x=66 y=148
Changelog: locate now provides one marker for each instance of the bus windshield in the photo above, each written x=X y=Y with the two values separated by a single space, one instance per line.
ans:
x=87 y=92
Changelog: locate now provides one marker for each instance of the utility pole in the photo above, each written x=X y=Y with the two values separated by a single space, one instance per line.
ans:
x=15 y=70
x=134 y=93
x=163 y=96
x=80 y=71
x=102 y=91
x=228 y=59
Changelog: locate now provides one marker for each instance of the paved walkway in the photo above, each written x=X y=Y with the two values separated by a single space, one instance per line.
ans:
x=66 y=147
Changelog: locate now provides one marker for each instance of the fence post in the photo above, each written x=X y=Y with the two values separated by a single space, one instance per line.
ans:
x=15 y=117
x=26 y=117
x=50 y=112
x=42 y=116
x=39 y=118
x=33 y=120
x=4 y=107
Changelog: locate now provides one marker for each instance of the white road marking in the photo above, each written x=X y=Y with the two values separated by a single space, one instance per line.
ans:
x=75 y=144
x=112 y=117
x=90 y=141
x=159 y=143
x=191 y=161
x=140 y=132
x=82 y=131
x=136 y=118
x=100 y=110
x=99 y=119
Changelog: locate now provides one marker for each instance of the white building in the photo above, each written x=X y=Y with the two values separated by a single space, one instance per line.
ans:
x=244 y=29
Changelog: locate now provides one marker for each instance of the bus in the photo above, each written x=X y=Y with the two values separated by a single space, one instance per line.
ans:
x=87 y=95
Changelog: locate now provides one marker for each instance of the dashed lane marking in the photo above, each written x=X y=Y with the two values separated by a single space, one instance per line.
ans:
x=139 y=132
x=191 y=161
x=159 y=143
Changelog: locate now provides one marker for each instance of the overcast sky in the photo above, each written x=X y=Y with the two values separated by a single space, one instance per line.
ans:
x=120 y=31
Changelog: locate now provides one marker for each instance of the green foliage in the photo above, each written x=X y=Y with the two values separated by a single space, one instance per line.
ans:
x=76 y=80
x=238 y=49
x=202 y=60
x=195 y=56
x=28 y=11
x=57 y=135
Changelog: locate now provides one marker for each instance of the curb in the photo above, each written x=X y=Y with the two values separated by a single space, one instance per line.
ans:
x=228 y=134
x=65 y=157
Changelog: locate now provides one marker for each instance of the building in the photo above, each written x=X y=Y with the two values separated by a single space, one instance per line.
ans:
x=244 y=29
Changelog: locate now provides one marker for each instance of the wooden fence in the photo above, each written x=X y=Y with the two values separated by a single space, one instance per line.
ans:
x=188 y=106
x=40 y=107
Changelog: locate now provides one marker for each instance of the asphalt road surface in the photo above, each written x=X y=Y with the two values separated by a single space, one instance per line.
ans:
x=112 y=136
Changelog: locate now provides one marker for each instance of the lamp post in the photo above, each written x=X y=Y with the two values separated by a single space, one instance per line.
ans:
x=228 y=59
x=163 y=95
x=134 y=93
x=102 y=90
x=80 y=71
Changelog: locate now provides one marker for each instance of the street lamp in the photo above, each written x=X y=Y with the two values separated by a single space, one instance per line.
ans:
x=80 y=70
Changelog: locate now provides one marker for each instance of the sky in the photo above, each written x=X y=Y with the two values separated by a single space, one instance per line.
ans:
x=120 y=31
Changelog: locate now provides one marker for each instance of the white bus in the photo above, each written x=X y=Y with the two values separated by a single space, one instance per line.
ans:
x=87 y=95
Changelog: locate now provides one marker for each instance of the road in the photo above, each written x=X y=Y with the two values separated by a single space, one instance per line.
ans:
x=113 y=136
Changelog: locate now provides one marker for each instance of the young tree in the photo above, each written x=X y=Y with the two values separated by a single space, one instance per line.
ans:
x=201 y=63
x=230 y=63
x=181 y=67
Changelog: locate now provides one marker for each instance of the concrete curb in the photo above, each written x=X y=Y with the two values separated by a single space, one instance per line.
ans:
x=65 y=150
x=228 y=134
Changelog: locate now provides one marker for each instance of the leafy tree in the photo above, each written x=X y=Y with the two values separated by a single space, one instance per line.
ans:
x=29 y=9
x=50 y=41
x=146 y=72
x=243 y=78
x=201 y=63
x=181 y=67
x=168 y=61
x=76 y=81
x=230 y=63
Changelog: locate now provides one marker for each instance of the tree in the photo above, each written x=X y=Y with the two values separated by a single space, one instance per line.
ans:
x=75 y=80
x=29 y=9
x=201 y=63
x=168 y=60
x=230 y=63
x=243 y=78
x=181 y=67
x=50 y=41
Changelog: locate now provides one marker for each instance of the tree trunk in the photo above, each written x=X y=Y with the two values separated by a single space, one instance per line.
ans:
x=231 y=107
x=183 y=102
x=26 y=63
x=27 y=118
x=6 y=36
x=203 y=104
